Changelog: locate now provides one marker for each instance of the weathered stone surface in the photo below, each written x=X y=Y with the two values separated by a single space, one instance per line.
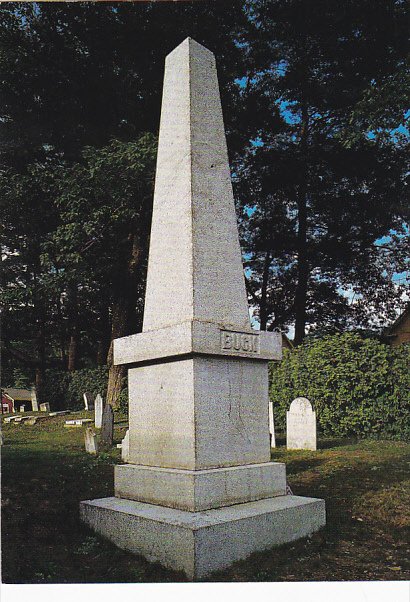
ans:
x=34 y=402
x=193 y=183
x=196 y=490
x=88 y=401
x=271 y=426
x=60 y=413
x=78 y=422
x=198 y=378
x=107 y=425
x=199 y=543
x=11 y=419
x=199 y=413
x=197 y=338
x=90 y=440
x=125 y=447
x=44 y=407
x=301 y=425
x=98 y=411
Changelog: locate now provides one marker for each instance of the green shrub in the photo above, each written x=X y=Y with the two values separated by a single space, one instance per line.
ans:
x=90 y=380
x=65 y=389
x=357 y=386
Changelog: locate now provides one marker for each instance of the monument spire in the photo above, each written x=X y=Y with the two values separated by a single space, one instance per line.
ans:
x=195 y=268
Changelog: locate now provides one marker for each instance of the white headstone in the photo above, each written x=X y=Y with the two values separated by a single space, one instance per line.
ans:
x=125 y=447
x=271 y=426
x=98 y=411
x=44 y=407
x=90 y=439
x=34 y=403
x=301 y=425
x=88 y=402
x=198 y=379
x=22 y=408
x=78 y=422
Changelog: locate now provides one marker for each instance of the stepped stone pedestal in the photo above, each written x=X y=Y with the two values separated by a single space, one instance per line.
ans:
x=199 y=491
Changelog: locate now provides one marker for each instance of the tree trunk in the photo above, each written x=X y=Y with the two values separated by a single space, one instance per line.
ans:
x=263 y=305
x=120 y=317
x=41 y=357
x=123 y=308
x=73 y=322
x=303 y=264
x=72 y=353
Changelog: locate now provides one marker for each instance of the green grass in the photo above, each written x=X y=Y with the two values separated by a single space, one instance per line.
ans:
x=46 y=473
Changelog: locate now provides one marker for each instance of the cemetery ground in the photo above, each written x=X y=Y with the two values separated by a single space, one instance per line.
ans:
x=46 y=473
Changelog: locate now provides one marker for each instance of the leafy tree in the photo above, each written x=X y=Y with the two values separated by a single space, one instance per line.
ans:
x=316 y=199
x=100 y=246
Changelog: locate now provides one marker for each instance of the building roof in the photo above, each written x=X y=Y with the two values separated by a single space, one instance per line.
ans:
x=18 y=394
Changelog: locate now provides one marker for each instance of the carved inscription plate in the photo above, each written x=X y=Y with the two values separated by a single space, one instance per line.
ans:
x=239 y=341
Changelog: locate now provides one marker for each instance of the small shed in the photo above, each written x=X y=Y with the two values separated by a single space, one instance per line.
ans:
x=12 y=399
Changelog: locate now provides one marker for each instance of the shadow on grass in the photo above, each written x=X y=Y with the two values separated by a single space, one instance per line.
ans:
x=45 y=542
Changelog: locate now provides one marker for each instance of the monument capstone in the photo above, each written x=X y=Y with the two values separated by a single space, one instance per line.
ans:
x=198 y=491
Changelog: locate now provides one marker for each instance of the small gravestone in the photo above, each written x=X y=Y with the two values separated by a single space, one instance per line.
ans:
x=88 y=401
x=271 y=426
x=78 y=422
x=91 y=444
x=107 y=426
x=98 y=411
x=22 y=408
x=44 y=407
x=301 y=425
x=125 y=447
x=11 y=418
x=34 y=403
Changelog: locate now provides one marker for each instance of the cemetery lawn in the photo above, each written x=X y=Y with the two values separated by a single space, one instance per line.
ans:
x=46 y=473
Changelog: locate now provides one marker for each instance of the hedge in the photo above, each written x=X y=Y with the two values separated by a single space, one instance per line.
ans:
x=65 y=389
x=358 y=386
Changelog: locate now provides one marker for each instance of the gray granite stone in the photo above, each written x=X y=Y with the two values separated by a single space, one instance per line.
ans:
x=196 y=490
x=271 y=426
x=199 y=543
x=107 y=426
x=77 y=422
x=125 y=447
x=88 y=401
x=197 y=337
x=90 y=440
x=301 y=425
x=198 y=377
x=98 y=411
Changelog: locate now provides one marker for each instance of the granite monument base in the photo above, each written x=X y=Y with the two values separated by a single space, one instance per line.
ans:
x=199 y=543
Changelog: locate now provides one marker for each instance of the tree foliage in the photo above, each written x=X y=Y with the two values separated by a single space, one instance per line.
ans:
x=314 y=107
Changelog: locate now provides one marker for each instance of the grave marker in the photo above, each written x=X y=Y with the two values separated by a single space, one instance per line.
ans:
x=301 y=425
x=107 y=425
x=98 y=411
x=44 y=407
x=90 y=439
x=88 y=402
x=200 y=490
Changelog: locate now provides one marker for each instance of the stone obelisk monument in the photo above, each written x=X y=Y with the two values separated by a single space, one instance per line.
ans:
x=199 y=491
